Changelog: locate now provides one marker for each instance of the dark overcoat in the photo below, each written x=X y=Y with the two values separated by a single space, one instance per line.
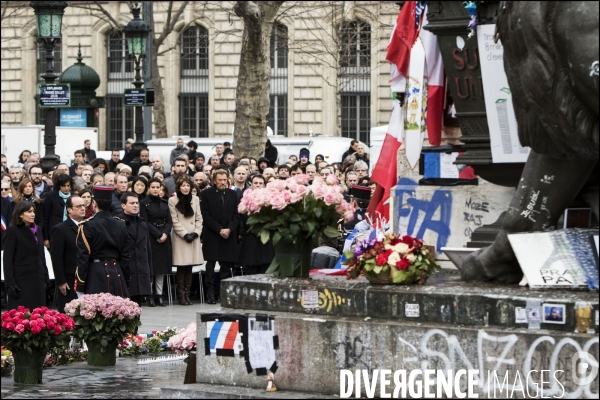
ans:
x=104 y=267
x=155 y=211
x=6 y=210
x=217 y=216
x=54 y=211
x=140 y=261
x=25 y=266
x=252 y=249
x=64 y=258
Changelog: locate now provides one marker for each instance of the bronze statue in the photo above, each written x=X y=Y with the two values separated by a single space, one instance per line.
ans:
x=551 y=61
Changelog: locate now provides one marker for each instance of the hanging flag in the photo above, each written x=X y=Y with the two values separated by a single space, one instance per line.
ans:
x=403 y=37
x=385 y=172
x=416 y=105
x=224 y=337
x=435 y=81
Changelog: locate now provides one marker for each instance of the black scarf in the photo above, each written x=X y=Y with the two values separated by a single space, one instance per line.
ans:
x=184 y=205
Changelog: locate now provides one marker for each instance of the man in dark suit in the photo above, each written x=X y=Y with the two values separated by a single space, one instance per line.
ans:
x=64 y=250
x=220 y=220
x=90 y=154
x=140 y=263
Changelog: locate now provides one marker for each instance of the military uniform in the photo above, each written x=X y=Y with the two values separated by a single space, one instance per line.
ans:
x=102 y=256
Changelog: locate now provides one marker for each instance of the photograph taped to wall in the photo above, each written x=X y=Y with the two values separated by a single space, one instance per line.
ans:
x=554 y=313
x=261 y=349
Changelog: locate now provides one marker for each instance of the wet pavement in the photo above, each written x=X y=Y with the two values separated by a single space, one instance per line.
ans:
x=126 y=380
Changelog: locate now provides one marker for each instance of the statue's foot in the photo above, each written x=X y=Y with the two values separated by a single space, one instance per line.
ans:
x=484 y=266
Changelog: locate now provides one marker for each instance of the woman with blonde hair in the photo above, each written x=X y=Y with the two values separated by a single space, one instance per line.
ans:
x=185 y=236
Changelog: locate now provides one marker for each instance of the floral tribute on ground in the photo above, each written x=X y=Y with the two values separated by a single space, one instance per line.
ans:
x=400 y=260
x=29 y=335
x=293 y=215
x=103 y=321
x=184 y=340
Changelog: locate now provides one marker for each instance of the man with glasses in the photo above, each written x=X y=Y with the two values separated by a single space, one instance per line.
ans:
x=362 y=169
x=41 y=187
x=64 y=250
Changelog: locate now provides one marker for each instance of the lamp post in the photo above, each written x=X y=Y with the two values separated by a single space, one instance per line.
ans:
x=136 y=33
x=49 y=15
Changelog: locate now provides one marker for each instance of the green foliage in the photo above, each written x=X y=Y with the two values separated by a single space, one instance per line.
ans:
x=154 y=344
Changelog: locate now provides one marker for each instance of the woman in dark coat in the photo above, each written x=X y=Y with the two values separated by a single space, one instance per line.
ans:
x=26 y=192
x=271 y=153
x=55 y=210
x=25 y=271
x=155 y=210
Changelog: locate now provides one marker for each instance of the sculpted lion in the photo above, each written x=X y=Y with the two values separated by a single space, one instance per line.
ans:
x=551 y=61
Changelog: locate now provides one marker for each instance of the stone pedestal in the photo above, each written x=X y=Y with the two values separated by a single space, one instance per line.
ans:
x=358 y=326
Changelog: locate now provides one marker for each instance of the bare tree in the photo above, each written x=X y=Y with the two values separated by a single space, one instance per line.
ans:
x=252 y=96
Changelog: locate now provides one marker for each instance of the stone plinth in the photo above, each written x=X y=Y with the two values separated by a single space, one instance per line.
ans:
x=443 y=300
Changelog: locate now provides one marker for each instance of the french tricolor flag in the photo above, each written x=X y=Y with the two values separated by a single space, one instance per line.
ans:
x=224 y=336
x=3 y=223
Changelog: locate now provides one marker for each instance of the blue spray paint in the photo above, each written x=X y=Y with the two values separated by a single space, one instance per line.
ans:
x=441 y=199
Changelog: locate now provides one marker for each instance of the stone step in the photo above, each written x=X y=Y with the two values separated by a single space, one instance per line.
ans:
x=208 y=391
x=444 y=299
x=314 y=348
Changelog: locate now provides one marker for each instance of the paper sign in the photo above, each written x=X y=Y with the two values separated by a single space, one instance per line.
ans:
x=411 y=310
x=310 y=301
x=261 y=350
x=533 y=314
x=520 y=315
x=502 y=122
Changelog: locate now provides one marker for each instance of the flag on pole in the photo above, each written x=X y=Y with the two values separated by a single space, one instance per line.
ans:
x=435 y=81
x=403 y=37
x=385 y=172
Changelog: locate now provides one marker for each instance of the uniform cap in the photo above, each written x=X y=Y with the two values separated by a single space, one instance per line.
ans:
x=103 y=192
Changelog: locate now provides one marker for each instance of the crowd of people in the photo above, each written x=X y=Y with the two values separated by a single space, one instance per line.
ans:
x=119 y=227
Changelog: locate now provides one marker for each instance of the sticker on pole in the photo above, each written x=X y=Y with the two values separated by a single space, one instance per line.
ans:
x=54 y=95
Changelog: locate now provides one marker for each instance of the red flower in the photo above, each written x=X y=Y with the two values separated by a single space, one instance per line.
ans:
x=57 y=330
x=35 y=317
x=403 y=264
x=381 y=259
x=9 y=325
x=37 y=328
x=6 y=316
x=13 y=312
x=395 y=241
x=22 y=309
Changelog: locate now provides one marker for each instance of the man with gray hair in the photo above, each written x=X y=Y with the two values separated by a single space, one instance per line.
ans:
x=178 y=150
x=361 y=168
x=16 y=174
x=199 y=177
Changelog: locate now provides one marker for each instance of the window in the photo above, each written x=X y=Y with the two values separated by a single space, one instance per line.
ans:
x=40 y=70
x=355 y=74
x=119 y=119
x=119 y=122
x=278 y=107
x=193 y=97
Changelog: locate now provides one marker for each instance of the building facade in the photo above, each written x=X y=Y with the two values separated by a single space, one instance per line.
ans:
x=328 y=70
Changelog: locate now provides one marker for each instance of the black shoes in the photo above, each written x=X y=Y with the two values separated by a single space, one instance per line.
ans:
x=161 y=303
x=151 y=301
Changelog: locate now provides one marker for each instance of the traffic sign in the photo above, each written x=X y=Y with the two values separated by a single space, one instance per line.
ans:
x=54 y=95
x=135 y=97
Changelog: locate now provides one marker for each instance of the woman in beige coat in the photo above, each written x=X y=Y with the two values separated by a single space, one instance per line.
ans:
x=187 y=226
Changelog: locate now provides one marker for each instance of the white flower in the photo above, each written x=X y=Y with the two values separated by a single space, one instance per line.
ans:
x=411 y=257
x=401 y=248
x=393 y=259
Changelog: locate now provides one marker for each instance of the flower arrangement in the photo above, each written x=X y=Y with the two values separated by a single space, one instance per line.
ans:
x=167 y=333
x=403 y=258
x=154 y=344
x=40 y=329
x=64 y=356
x=289 y=210
x=8 y=362
x=103 y=319
x=184 y=340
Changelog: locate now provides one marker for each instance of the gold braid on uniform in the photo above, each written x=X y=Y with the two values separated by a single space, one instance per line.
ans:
x=80 y=231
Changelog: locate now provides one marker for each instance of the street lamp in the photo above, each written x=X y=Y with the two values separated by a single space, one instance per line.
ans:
x=136 y=33
x=49 y=15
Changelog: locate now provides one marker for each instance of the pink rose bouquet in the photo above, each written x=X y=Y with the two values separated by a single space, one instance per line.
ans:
x=184 y=340
x=289 y=210
x=40 y=329
x=103 y=317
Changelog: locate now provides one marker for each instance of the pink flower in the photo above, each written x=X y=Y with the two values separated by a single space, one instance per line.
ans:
x=278 y=202
x=287 y=196
x=19 y=328
x=348 y=216
x=292 y=185
x=57 y=330
x=330 y=198
x=332 y=179
x=10 y=326
x=302 y=179
x=35 y=329
x=318 y=191
x=302 y=190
